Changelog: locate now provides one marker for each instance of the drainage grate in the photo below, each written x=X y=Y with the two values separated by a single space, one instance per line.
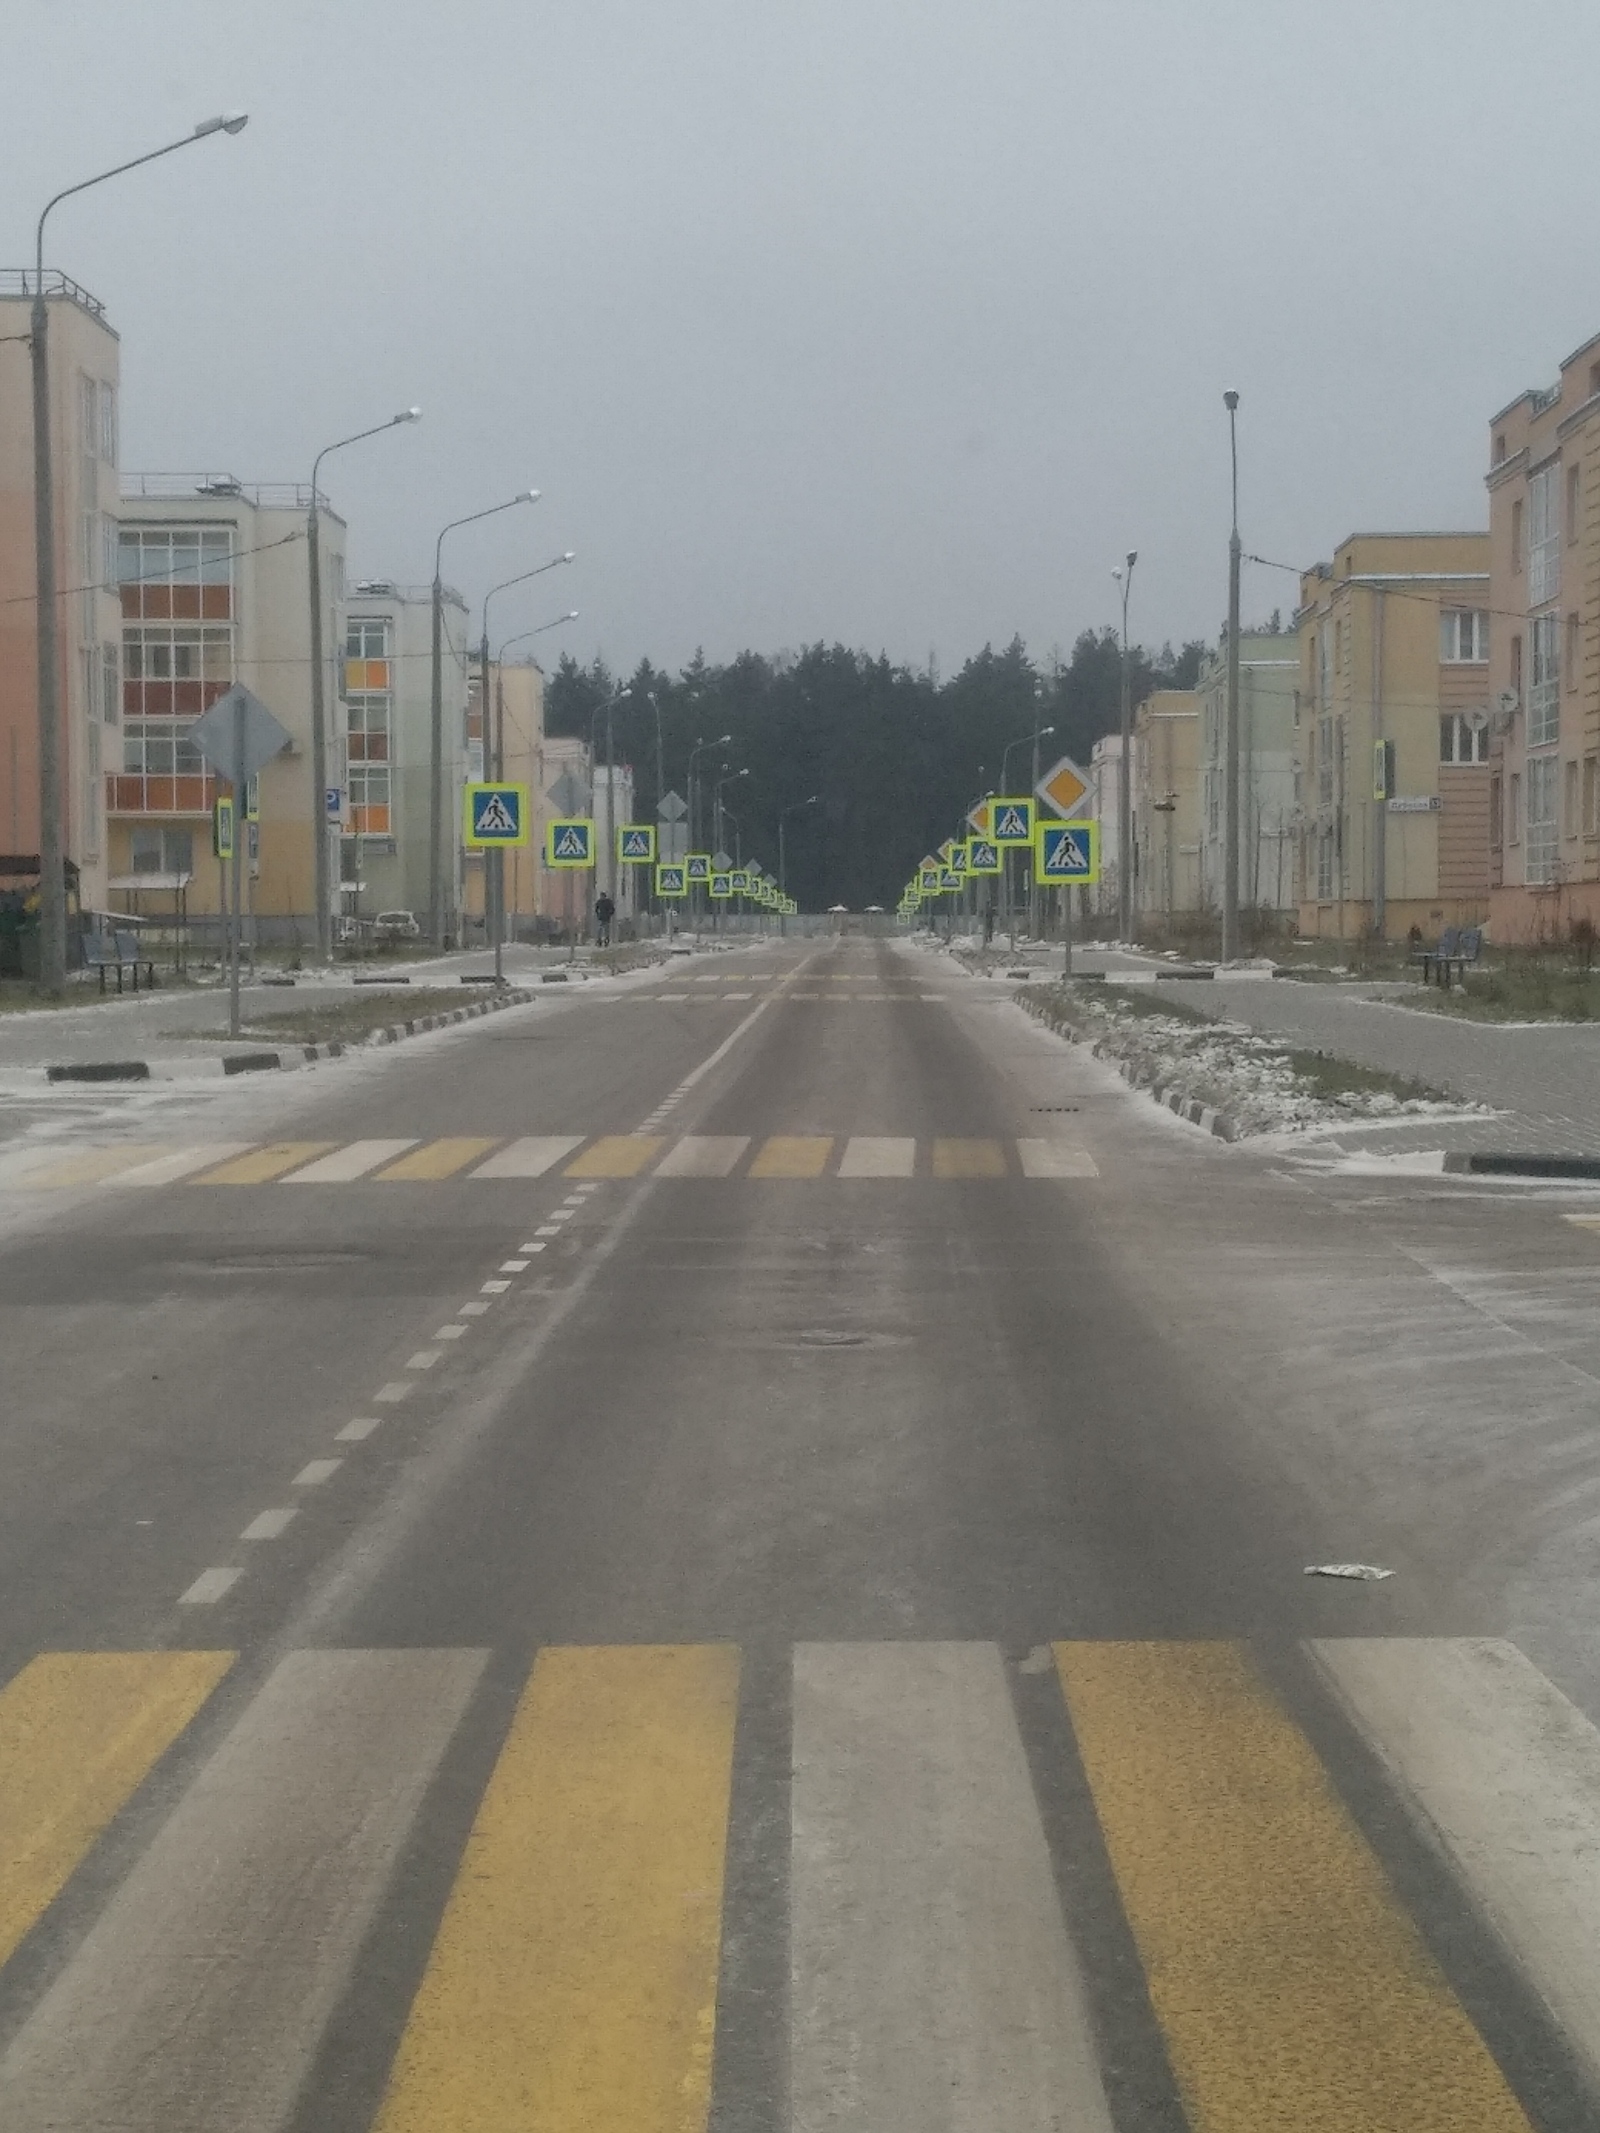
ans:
x=1053 y=1107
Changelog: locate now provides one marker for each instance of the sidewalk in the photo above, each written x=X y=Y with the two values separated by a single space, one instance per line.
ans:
x=1543 y=1078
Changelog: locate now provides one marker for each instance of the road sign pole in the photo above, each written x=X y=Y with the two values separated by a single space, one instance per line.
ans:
x=233 y=913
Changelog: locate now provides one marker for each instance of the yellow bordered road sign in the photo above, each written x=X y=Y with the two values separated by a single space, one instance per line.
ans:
x=1067 y=851
x=495 y=814
x=671 y=880
x=928 y=881
x=1011 y=821
x=222 y=828
x=983 y=856
x=699 y=866
x=636 y=843
x=569 y=842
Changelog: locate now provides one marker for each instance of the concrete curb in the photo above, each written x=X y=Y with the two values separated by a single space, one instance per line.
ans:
x=1219 y=1124
x=295 y=1056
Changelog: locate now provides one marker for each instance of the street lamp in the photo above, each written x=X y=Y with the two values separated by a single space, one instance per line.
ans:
x=1038 y=734
x=1124 y=577
x=52 y=872
x=1230 y=732
x=436 y=720
x=608 y=707
x=494 y=874
x=319 y=716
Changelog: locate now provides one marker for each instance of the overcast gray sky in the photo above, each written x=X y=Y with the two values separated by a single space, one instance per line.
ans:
x=891 y=321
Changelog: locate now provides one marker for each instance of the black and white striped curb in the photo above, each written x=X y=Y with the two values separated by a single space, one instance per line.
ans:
x=1205 y=1116
x=293 y=1056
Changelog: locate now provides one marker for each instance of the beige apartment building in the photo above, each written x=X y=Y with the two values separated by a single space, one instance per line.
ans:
x=84 y=374
x=214 y=585
x=1269 y=676
x=1544 y=655
x=1166 y=806
x=1394 y=715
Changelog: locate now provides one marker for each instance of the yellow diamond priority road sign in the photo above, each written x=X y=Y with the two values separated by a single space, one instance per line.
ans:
x=1063 y=789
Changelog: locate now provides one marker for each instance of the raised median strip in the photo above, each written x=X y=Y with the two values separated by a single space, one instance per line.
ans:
x=287 y=1056
x=1206 y=1116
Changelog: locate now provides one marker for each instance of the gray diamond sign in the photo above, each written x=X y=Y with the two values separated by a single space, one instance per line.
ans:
x=569 y=795
x=672 y=808
x=238 y=736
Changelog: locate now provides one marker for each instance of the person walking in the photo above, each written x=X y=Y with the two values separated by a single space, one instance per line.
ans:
x=604 y=911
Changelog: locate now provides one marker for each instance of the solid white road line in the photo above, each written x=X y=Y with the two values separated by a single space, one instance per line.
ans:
x=199 y=1997
x=703 y=1156
x=869 y=1155
x=1504 y=1772
x=1055 y=1159
x=933 y=1984
x=529 y=1158
x=344 y=1164
x=182 y=1163
x=269 y=1525
x=209 y=1587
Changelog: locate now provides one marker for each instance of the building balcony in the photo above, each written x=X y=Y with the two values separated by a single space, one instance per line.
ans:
x=131 y=792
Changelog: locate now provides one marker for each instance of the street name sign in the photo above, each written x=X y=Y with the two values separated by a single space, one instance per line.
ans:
x=636 y=843
x=496 y=815
x=1063 y=789
x=1067 y=851
x=569 y=842
x=671 y=881
x=1012 y=821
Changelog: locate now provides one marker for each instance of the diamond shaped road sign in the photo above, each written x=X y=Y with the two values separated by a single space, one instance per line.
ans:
x=672 y=807
x=240 y=721
x=720 y=862
x=1063 y=789
x=569 y=795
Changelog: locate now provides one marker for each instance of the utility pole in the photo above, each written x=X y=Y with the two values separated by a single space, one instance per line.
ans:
x=1125 y=781
x=1230 y=748
x=1380 y=801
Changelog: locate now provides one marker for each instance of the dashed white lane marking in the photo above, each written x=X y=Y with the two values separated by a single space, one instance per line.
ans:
x=359 y=1430
x=537 y=1245
x=208 y=1587
x=347 y=1163
x=449 y=1333
x=582 y=1192
x=471 y=1310
x=513 y=1266
x=494 y=1288
x=394 y=1392
x=315 y=1472
x=549 y=1229
x=424 y=1359
x=269 y=1524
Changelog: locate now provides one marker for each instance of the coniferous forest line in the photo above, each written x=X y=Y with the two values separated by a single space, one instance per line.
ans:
x=894 y=755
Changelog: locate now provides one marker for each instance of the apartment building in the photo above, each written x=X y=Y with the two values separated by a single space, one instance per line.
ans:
x=1105 y=773
x=387 y=687
x=1544 y=655
x=1269 y=678
x=214 y=588
x=84 y=379
x=1394 y=712
x=1166 y=807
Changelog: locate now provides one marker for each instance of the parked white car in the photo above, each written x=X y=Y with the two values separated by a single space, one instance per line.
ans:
x=397 y=926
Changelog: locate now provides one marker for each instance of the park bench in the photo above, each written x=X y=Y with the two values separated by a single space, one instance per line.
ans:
x=1458 y=947
x=118 y=952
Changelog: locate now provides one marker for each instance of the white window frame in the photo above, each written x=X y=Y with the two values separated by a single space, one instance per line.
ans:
x=1543 y=829
x=1459 y=742
x=1463 y=637
x=1544 y=534
x=1544 y=680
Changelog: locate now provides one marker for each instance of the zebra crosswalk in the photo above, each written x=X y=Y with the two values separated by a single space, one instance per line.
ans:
x=571 y=1970
x=143 y=1165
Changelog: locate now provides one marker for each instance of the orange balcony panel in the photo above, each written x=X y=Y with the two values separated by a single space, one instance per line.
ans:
x=370 y=821
x=216 y=602
x=132 y=793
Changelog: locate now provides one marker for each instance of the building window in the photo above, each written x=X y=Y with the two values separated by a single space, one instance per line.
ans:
x=1499 y=447
x=1544 y=536
x=368 y=637
x=1324 y=762
x=153 y=850
x=1497 y=829
x=1463 y=739
x=109 y=683
x=369 y=721
x=1569 y=800
x=1572 y=506
x=1325 y=676
x=1544 y=690
x=1463 y=636
x=108 y=424
x=1325 y=866
x=184 y=571
x=1573 y=626
x=1591 y=793
x=1543 y=774
x=1516 y=538
x=160 y=748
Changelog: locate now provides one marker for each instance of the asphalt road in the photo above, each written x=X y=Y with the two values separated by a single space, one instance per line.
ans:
x=730 y=1551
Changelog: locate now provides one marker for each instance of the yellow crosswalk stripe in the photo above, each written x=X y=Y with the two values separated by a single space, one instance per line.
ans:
x=78 y=1731
x=792 y=1155
x=90 y=1166
x=617 y=1155
x=1293 y=1989
x=968 y=1159
x=572 y=1983
x=435 y=1159
x=261 y=1165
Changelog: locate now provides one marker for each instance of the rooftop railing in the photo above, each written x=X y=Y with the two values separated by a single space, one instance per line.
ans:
x=21 y=281
x=219 y=489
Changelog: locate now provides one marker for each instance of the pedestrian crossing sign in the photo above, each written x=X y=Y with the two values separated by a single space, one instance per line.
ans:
x=569 y=842
x=1011 y=821
x=1067 y=851
x=983 y=856
x=671 y=880
x=957 y=860
x=722 y=884
x=739 y=880
x=928 y=881
x=496 y=814
x=636 y=843
x=699 y=866
x=949 y=878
